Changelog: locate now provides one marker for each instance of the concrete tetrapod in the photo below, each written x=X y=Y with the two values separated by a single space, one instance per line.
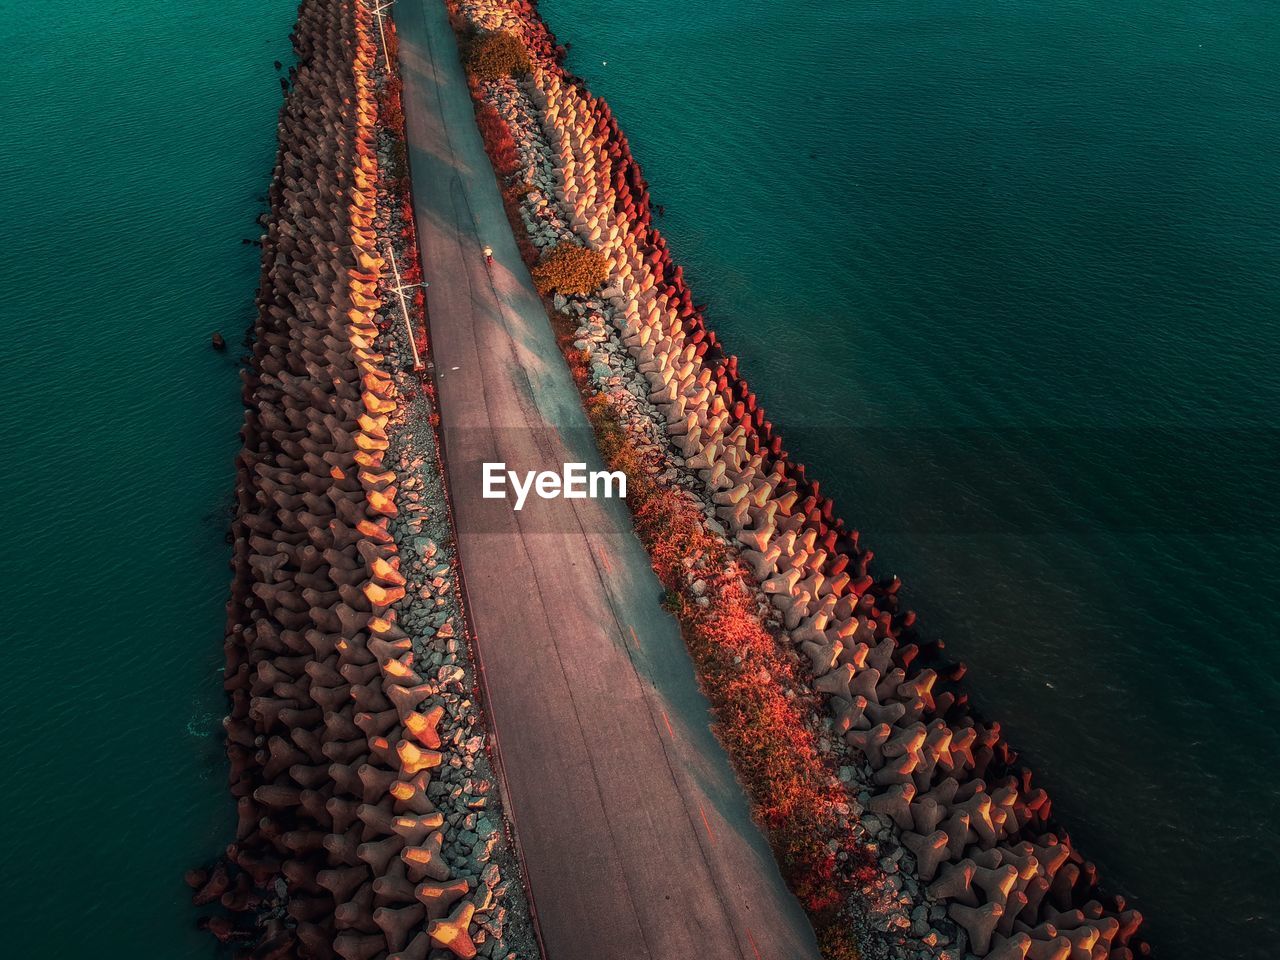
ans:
x=330 y=758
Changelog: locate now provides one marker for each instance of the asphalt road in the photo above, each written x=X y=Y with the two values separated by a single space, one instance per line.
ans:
x=636 y=839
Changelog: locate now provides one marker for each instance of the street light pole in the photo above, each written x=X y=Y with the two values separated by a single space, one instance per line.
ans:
x=399 y=289
x=378 y=12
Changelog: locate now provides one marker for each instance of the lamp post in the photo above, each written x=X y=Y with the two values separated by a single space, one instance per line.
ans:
x=399 y=289
x=378 y=12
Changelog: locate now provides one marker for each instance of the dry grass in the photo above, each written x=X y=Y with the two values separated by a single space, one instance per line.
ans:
x=492 y=56
x=569 y=268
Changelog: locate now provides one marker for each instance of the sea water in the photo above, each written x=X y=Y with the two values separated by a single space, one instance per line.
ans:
x=135 y=141
x=1007 y=275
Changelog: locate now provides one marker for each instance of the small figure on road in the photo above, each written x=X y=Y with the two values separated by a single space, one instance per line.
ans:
x=488 y=254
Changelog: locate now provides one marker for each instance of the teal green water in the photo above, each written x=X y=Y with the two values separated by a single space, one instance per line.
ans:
x=134 y=140
x=1007 y=274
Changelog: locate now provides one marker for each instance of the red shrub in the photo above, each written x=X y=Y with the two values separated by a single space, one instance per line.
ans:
x=498 y=142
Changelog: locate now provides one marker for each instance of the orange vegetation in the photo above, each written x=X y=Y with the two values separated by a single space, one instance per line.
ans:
x=498 y=142
x=492 y=56
x=569 y=268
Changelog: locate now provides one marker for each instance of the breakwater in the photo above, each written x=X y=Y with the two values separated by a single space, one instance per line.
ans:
x=369 y=822
x=971 y=853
